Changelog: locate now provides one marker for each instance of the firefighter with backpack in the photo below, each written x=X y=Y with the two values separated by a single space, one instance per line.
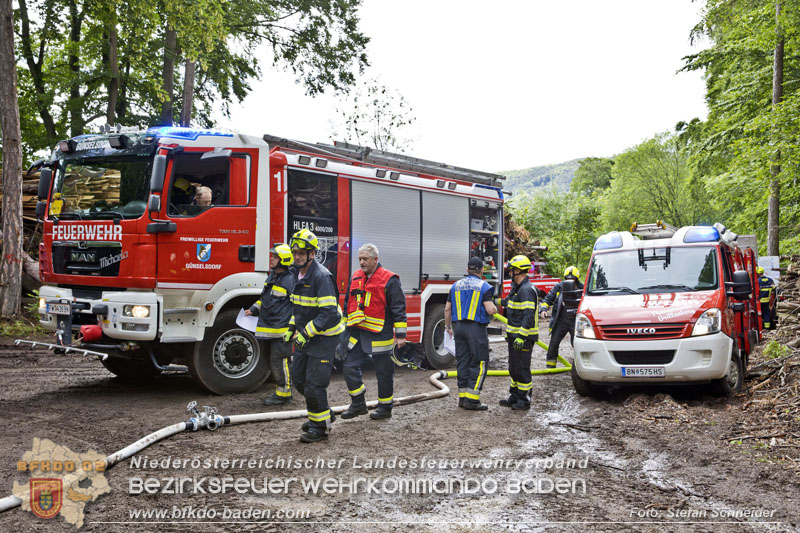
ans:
x=562 y=321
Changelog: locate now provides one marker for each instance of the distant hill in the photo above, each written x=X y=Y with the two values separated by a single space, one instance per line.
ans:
x=533 y=178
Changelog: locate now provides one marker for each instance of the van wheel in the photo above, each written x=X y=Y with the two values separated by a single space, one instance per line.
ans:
x=732 y=381
x=585 y=388
x=138 y=370
x=228 y=359
x=433 y=339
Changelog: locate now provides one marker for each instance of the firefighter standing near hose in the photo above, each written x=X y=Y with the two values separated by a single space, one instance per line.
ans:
x=376 y=320
x=466 y=316
x=765 y=287
x=522 y=332
x=562 y=321
x=314 y=327
x=274 y=310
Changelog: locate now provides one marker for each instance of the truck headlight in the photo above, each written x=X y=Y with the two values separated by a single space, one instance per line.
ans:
x=583 y=327
x=42 y=302
x=136 y=311
x=709 y=322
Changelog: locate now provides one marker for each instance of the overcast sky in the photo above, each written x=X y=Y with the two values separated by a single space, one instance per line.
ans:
x=510 y=84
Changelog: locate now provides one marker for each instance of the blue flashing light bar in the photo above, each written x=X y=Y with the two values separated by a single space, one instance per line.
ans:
x=189 y=134
x=701 y=234
x=608 y=241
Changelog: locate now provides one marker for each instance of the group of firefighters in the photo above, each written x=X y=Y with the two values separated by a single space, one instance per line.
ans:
x=299 y=318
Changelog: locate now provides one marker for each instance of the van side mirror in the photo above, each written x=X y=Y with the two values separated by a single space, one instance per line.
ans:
x=741 y=287
x=158 y=174
x=45 y=178
x=570 y=294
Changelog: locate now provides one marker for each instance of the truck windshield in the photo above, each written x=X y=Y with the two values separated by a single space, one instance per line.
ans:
x=101 y=188
x=653 y=270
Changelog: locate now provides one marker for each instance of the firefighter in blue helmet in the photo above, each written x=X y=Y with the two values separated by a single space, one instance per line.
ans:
x=765 y=287
x=466 y=314
x=314 y=328
x=562 y=321
x=274 y=310
x=522 y=332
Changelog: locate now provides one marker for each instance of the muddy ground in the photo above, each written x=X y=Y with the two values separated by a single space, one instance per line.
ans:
x=650 y=460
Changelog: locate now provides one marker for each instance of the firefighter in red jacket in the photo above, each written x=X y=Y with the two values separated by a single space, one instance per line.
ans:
x=376 y=320
x=314 y=327
x=274 y=310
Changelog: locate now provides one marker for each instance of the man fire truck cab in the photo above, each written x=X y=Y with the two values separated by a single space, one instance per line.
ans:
x=150 y=277
x=675 y=306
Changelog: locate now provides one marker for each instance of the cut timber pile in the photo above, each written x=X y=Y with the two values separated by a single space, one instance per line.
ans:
x=518 y=241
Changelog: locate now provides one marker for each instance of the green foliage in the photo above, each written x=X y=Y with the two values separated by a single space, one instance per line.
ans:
x=533 y=178
x=775 y=350
x=592 y=176
x=20 y=328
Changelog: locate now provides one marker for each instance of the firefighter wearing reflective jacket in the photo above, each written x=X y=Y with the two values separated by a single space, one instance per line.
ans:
x=562 y=320
x=274 y=310
x=376 y=319
x=466 y=316
x=522 y=332
x=765 y=288
x=314 y=327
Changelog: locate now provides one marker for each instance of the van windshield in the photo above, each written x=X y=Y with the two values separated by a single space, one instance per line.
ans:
x=652 y=270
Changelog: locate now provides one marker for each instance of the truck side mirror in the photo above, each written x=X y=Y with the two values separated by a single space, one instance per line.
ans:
x=44 y=183
x=159 y=173
x=154 y=204
x=41 y=209
x=570 y=294
x=741 y=287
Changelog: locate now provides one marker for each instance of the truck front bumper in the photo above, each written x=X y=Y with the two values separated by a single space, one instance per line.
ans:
x=701 y=358
x=117 y=322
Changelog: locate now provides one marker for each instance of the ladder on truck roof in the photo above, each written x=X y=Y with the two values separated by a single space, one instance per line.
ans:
x=659 y=230
x=389 y=159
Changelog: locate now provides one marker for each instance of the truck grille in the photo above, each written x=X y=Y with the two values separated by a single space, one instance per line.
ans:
x=644 y=357
x=83 y=259
x=631 y=332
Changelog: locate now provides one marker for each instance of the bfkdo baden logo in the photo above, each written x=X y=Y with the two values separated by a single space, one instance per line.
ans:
x=61 y=481
x=46 y=496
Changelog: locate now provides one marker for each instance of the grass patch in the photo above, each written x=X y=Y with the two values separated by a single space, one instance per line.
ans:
x=775 y=350
x=18 y=328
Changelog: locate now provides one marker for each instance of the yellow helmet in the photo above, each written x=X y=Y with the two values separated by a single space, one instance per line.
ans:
x=304 y=239
x=572 y=271
x=759 y=270
x=520 y=262
x=283 y=252
x=184 y=185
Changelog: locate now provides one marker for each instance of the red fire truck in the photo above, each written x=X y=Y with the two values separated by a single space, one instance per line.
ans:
x=678 y=305
x=125 y=246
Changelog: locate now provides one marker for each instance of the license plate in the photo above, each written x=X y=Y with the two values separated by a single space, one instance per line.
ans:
x=643 y=372
x=59 y=309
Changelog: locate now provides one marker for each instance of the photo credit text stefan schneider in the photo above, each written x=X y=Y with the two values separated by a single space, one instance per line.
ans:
x=286 y=474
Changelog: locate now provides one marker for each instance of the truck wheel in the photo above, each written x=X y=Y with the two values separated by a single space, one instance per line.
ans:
x=133 y=370
x=433 y=339
x=228 y=359
x=732 y=381
x=583 y=387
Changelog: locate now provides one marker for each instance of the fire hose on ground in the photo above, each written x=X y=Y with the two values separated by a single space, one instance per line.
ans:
x=211 y=420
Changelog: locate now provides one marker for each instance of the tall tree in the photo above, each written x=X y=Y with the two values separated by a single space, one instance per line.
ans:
x=773 y=218
x=11 y=271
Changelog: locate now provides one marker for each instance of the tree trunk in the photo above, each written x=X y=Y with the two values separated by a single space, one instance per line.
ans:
x=113 y=70
x=170 y=51
x=122 y=101
x=75 y=104
x=11 y=271
x=773 y=212
x=188 y=94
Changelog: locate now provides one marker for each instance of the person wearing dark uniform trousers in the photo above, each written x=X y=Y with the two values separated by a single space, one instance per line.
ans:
x=765 y=287
x=522 y=332
x=274 y=310
x=314 y=328
x=376 y=320
x=562 y=321
x=466 y=314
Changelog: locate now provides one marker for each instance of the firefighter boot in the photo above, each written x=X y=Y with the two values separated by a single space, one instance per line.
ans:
x=509 y=402
x=552 y=363
x=276 y=400
x=358 y=407
x=306 y=425
x=474 y=405
x=313 y=436
x=383 y=411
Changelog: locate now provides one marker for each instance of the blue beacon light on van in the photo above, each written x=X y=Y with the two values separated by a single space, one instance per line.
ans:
x=608 y=241
x=702 y=234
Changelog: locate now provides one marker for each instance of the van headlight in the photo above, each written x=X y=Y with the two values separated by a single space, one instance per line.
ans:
x=583 y=327
x=709 y=322
x=136 y=311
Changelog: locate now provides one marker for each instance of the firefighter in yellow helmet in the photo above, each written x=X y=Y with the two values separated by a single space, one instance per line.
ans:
x=765 y=287
x=562 y=320
x=314 y=328
x=522 y=331
x=274 y=310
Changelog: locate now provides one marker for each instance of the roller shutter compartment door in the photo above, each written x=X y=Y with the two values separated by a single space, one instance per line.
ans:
x=445 y=235
x=389 y=218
